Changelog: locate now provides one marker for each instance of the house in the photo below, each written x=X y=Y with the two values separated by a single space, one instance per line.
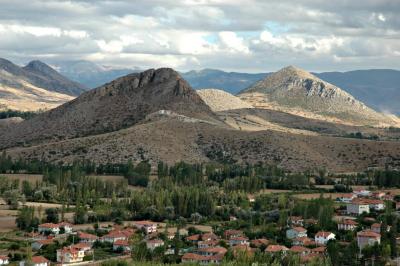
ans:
x=85 y=247
x=276 y=249
x=212 y=251
x=70 y=255
x=322 y=237
x=357 y=207
x=147 y=226
x=296 y=232
x=378 y=194
x=300 y=250
x=347 y=225
x=228 y=234
x=257 y=243
x=4 y=260
x=318 y=250
x=38 y=244
x=36 y=261
x=115 y=235
x=240 y=240
x=207 y=244
x=49 y=228
x=243 y=250
x=346 y=197
x=303 y=241
x=202 y=237
x=67 y=227
x=154 y=243
x=375 y=204
x=362 y=192
x=87 y=238
x=376 y=227
x=204 y=260
x=122 y=245
x=296 y=220
x=367 y=238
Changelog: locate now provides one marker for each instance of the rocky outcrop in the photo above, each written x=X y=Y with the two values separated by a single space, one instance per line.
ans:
x=219 y=100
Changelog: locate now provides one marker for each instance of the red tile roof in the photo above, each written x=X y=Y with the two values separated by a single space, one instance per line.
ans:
x=323 y=234
x=49 y=225
x=369 y=234
x=87 y=236
x=299 y=249
x=276 y=248
x=121 y=243
x=348 y=222
x=214 y=250
x=39 y=259
x=299 y=229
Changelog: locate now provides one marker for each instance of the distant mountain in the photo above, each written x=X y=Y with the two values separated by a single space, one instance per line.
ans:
x=33 y=87
x=90 y=74
x=378 y=88
x=232 y=82
x=116 y=105
x=296 y=91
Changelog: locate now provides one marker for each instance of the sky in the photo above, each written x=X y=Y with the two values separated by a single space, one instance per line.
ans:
x=232 y=35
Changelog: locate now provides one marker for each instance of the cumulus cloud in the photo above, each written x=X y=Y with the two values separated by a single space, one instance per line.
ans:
x=245 y=35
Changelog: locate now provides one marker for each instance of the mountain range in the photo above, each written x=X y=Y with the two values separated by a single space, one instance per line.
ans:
x=156 y=115
x=34 y=86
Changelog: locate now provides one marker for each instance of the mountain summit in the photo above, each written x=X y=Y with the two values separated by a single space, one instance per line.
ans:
x=297 y=91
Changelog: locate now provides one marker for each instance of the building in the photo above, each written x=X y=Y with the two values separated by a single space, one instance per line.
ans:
x=367 y=238
x=257 y=243
x=212 y=251
x=300 y=250
x=67 y=227
x=228 y=234
x=87 y=238
x=296 y=232
x=347 y=225
x=122 y=245
x=4 y=260
x=70 y=255
x=376 y=227
x=36 y=261
x=362 y=192
x=154 y=243
x=148 y=226
x=202 y=237
x=276 y=249
x=207 y=244
x=38 y=244
x=49 y=228
x=375 y=204
x=303 y=241
x=296 y=220
x=85 y=247
x=322 y=237
x=346 y=197
x=200 y=259
x=240 y=240
x=116 y=235
x=357 y=207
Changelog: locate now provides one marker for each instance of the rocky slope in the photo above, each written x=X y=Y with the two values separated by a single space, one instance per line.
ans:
x=121 y=103
x=219 y=100
x=296 y=91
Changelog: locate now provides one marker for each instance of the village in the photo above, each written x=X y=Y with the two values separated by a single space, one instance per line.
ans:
x=356 y=216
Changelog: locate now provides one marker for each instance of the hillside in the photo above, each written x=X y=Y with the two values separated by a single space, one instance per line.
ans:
x=296 y=91
x=219 y=100
x=121 y=103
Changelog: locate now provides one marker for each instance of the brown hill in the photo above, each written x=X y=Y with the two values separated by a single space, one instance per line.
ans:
x=296 y=91
x=121 y=103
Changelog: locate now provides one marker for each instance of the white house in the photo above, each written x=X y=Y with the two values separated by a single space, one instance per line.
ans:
x=154 y=243
x=347 y=225
x=70 y=255
x=148 y=226
x=49 y=228
x=375 y=204
x=36 y=261
x=240 y=240
x=116 y=235
x=296 y=232
x=322 y=237
x=362 y=192
x=67 y=227
x=367 y=238
x=357 y=207
x=87 y=238
x=296 y=220
x=346 y=197
x=4 y=260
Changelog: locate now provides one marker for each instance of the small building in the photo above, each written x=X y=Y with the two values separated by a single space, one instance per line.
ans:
x=116 y=235
x=296 y=220
x=207 y=244
x=85 y=247
x=376 y=227
x=273 y=249
x=154 y=243
x=148 y=226
x=228 y=234
x=240 y=240
x=296 y=232
x=347 y=225
x=36 y=261
x=70 y=255
x=322 y=237
x=49 y=228
x=303 y=241
x=375 y=204
x=300 y=250
x=346 y=197
x=318 y=250
x=122 y=245
x=367 y=238
x=38 y=244
x=212 y=251
x=257 y=243
x=87 y=238
x=67 y=227
x=357 y=207
x=4 y=260
x=200 y=259
x=362 y=192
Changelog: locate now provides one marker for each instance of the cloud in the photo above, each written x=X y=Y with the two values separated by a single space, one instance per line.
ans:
x=245 y=35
